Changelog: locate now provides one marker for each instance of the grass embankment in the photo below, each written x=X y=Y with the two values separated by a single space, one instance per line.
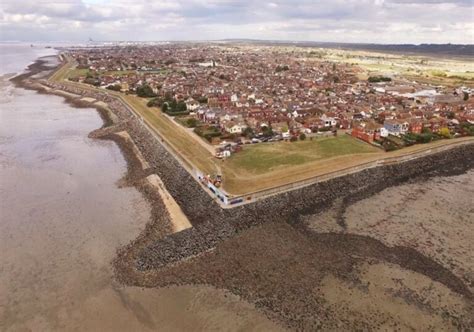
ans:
x=177 y=137
x=62 y=72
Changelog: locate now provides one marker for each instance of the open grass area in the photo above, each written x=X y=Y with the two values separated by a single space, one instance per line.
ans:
x=267 y=165
x=420 y=68
x=261 y=158
x=333 y=157
x=75 y=73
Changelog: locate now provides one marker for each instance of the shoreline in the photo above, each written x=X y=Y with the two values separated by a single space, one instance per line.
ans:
x=157 y=250
x=160 y=223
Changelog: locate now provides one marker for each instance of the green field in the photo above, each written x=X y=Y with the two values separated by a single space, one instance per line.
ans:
x=261 y=158
x=75 y=73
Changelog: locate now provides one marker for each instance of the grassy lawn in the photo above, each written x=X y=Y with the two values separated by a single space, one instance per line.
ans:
x=261 y=158
x=75 y=73
x=117 y=72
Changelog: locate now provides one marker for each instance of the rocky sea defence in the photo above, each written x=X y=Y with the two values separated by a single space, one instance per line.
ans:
x=154 y=258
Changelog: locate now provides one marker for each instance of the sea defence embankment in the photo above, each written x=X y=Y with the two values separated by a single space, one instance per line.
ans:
x=211 y=223
x=289 y=206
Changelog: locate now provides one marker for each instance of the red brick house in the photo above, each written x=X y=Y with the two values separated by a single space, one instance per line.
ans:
x=415 y=126
x=367 y=131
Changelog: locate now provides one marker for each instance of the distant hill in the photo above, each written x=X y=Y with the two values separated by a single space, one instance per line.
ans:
x=454 y=50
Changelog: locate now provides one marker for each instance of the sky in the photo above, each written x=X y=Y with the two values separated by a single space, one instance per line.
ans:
x=365 y=21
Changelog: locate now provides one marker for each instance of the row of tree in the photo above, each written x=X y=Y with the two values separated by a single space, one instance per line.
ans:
x=145 y=91
x=169 y=105
x=377 y=79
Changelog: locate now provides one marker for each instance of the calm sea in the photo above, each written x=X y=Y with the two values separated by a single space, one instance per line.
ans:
x=62 y=215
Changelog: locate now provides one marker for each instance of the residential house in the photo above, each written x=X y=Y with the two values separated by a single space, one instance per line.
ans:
x=328 y=121
x=191 y=104
x=396 y=127
x=235 y=128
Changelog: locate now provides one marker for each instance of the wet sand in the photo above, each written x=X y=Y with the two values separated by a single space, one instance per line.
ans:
x=62 y=218
x=436 y=217
x=379 y=272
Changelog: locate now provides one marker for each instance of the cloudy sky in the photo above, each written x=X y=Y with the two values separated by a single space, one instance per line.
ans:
x=375 y=21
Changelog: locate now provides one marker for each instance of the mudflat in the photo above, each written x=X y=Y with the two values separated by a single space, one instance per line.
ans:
x=319 y=273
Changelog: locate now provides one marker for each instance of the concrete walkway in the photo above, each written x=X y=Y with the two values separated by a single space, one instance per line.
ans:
x=177 y=217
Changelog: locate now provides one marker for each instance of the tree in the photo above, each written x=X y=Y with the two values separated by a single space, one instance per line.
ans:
x=248 y=132
x=376 y=79
x=154 y=102
x=145 y=91
x=92 y=81
x=202 y=100
x=172 y=105
x=115 y=87
x=444 y=132
x=302 y=136
x=280 y=68
x=424 y=137
x=467 y=129
x=293 y=139
x=267 y=131
x=180 y=107
x=191 y=122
